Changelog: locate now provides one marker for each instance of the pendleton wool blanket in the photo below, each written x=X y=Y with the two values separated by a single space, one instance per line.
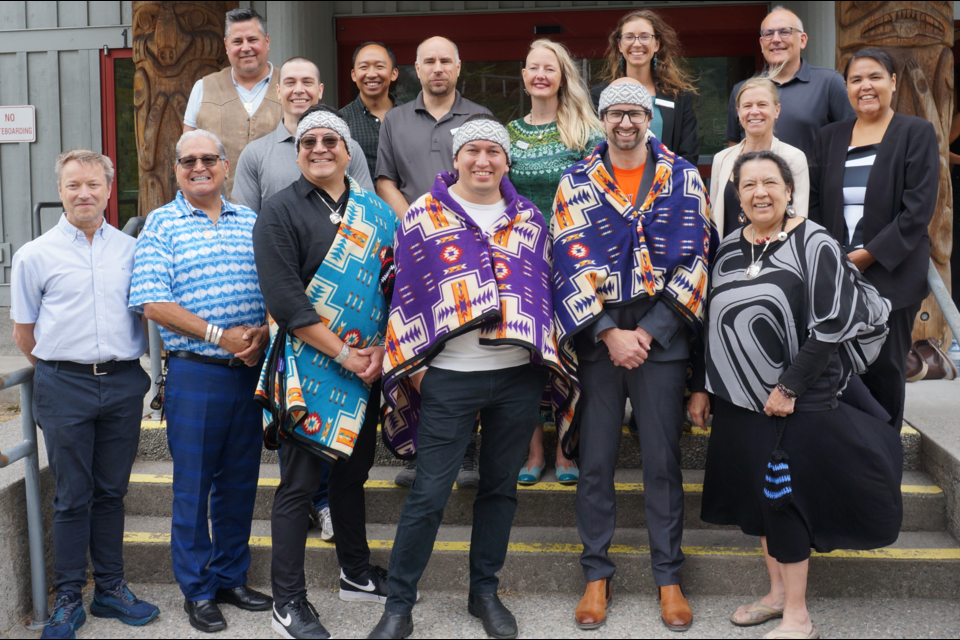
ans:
x=308 y=397
x=453 y=277
x=608 y=253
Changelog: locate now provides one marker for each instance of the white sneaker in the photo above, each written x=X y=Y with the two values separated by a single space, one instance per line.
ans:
x=326 y=525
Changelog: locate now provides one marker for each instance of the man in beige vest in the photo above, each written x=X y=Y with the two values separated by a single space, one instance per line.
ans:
x=236 y=104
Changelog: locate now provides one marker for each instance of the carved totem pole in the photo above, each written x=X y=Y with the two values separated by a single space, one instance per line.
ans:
x=919 y=37
x=174 y=45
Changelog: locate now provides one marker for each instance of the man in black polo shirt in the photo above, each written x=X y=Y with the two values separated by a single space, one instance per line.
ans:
x=416 y=144
x=810 y=97
x=374 y=69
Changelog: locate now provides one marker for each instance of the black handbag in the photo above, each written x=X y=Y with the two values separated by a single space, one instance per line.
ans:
x=778 y=489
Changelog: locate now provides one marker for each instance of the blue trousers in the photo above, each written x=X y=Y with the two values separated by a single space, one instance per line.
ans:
x=91 y=428
x=215 y=434
x=508 y=401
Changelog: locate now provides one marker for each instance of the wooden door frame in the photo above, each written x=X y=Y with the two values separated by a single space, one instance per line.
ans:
x=108 y=122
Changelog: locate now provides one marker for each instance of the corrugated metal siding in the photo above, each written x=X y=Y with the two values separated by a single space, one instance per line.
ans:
x=64 y=86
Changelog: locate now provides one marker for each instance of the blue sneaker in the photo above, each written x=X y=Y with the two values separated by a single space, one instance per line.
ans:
x=120 y=603
x=67 y=616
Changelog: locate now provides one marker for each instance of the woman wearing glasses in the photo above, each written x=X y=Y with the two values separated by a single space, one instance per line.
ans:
x=560 y=130
x=647 y=49
x=758 y=106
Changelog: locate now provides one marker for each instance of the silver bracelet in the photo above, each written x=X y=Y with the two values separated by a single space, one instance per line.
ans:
x=343 y=355
x=217 y=334
x=206 y=337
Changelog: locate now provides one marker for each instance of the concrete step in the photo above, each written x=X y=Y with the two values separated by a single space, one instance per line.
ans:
x=693 y=448
x=546 y=559
x=547 y=504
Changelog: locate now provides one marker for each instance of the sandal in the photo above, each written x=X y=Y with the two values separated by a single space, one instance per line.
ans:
x=529 y=475
x=568 y=475
x=766 y=614
x=777 y=634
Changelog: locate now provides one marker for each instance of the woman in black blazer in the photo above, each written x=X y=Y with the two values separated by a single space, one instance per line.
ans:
x=873 y=186
x=654 y=65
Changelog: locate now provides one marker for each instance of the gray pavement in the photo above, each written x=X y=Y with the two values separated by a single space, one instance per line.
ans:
x=444 y=615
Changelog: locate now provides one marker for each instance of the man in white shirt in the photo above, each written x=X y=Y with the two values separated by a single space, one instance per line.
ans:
x=69 y=292
x=236 y=104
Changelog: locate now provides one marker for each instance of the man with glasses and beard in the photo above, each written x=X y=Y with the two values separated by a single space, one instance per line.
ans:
x=324 y=254
x=416 y=145
x=195 y=276
x=632 y=240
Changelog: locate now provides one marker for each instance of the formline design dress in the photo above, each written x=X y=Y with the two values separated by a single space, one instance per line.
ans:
x=809 y=320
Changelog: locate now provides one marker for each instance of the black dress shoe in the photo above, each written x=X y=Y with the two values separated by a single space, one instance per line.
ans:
x=244 y=598
x=497 y=620
x=391 y=626
x=205 y=616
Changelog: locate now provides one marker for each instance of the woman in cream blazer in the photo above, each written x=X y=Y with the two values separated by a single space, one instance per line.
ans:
x=758 y=106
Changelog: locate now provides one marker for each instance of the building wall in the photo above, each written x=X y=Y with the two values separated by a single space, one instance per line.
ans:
x=49 y=58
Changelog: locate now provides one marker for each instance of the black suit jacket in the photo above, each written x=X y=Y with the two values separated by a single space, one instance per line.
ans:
x=679 y=123
x=899 y=203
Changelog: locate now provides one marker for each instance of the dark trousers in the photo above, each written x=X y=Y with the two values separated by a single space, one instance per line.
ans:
x=319 y=498
x=215 y=435
x=91 y=428
x=300 y=473
x=887 y=377
x=508 y=401
x=656 y=392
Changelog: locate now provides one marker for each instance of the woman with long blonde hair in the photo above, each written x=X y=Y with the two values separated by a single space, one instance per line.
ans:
x=644 y=47
x=560 y=130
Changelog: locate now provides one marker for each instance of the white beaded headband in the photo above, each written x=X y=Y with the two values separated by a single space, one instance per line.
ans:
x=625 y=93
x=482 y=129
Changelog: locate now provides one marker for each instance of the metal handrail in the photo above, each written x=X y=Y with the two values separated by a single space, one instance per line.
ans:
x=35 y=227
x=29 y=453
x=943 y=298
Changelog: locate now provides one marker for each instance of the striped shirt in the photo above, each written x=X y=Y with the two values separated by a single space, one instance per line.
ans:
x=855 y=175
x=207 y=269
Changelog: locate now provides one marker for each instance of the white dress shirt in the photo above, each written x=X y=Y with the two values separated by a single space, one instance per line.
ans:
x=77 y=295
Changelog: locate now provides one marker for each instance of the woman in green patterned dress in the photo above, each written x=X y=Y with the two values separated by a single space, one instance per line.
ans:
x=560 y=130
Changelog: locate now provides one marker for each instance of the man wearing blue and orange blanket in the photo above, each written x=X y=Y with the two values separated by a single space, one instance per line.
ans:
x=632 y=241
x=324 y=257
x=470 y=331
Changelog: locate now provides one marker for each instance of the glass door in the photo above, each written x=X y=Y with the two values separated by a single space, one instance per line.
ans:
x=119 y=133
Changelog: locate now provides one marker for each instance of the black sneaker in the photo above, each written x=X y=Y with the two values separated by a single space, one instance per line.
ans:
x=314 y=518
x=405 y=478
x=469 y=476
x=298 y=620
x=371 y=588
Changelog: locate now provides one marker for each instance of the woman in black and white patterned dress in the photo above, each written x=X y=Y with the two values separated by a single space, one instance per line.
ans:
x=790 y=320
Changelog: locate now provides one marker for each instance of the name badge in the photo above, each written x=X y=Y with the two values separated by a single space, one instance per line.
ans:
x=453 y=132
x=522 y=144
x=660 y=102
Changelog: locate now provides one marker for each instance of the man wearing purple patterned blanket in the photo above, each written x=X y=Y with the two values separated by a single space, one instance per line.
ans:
x=470 y=330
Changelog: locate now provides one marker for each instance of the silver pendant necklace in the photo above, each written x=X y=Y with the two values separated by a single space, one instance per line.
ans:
x=754 y=269
x=534 y=124
x=335 y=216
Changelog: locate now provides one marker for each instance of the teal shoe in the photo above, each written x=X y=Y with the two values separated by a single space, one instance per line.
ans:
x=529 y=476
x=568 y=475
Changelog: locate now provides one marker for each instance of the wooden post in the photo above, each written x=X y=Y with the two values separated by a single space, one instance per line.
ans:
x=174 y=45
x=919 y=37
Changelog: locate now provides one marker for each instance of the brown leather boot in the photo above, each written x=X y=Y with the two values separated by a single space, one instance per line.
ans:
x=674 y=608
x=591 y=613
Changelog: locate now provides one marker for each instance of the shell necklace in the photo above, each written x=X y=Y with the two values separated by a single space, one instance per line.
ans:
x=754 y=269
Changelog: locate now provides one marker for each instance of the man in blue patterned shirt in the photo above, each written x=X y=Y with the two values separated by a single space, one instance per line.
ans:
x=195 y=276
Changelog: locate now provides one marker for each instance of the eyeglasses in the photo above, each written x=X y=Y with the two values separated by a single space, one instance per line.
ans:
x=328 y=141
x=616 y=117
x=644 y=38
x=785 y=33
x=190 y=162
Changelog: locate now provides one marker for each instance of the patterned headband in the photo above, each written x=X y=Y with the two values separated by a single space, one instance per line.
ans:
x=325 y=120
x=625 y=93
x=482 y=129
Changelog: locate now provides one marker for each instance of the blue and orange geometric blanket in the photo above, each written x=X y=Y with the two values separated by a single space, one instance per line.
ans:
x=608 y=253
x=315 y=402
x=453 y=277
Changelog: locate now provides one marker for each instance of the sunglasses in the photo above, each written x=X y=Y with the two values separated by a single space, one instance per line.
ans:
x=328 y=141
x=190 y=162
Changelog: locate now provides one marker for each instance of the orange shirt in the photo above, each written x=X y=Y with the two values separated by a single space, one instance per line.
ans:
x=629 y=181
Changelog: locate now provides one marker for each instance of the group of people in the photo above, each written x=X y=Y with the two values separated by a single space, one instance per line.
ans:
x=465 y=275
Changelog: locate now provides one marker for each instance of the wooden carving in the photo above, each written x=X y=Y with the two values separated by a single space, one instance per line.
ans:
x=919 y=37
x=174 y=45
